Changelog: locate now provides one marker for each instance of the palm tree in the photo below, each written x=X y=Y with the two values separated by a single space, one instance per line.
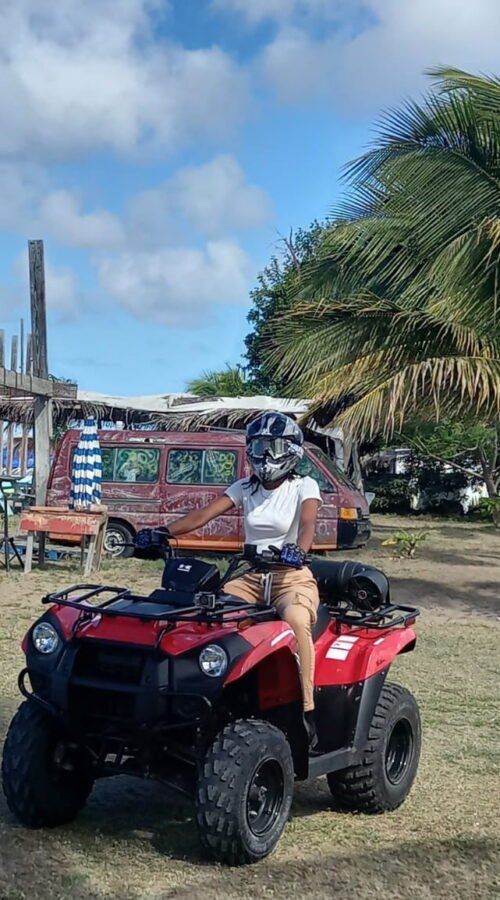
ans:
x=230 y=382
x=400 y=310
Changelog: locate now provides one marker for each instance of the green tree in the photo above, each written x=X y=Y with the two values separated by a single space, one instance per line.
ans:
x=399 y=308
x=229 y=382
x=273 y=296
x=469 y=447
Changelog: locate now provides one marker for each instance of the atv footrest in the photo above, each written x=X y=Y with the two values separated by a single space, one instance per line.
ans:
x=323 y=763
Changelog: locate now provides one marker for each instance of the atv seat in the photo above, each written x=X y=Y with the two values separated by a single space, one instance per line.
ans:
x=322 y=622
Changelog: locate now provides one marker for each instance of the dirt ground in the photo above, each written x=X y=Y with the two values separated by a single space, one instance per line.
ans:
x=135 y=840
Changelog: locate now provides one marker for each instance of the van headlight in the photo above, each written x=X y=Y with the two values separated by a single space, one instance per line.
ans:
x=213 y=661
x=45 y=638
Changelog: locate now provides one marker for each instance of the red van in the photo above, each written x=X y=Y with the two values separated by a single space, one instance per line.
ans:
x=150 y=478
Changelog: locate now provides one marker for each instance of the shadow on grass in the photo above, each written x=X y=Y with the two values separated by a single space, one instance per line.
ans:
x=42 y=863
x=462 y=870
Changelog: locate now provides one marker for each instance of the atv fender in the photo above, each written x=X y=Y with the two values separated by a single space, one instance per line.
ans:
x=274 y=660
x=353 y=657
x=350 y=674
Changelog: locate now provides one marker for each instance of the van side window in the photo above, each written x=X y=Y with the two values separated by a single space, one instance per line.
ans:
x=202 y=466
x=133 y=465
x=307 y=467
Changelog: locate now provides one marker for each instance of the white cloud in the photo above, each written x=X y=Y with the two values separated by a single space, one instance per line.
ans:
x=64 y=298
x=59 y=213
x=255 y=11
x=214 y=199
x=21 y=186
x=384 y=58
x=177 y=286
x=77 y=76
x=62 y=291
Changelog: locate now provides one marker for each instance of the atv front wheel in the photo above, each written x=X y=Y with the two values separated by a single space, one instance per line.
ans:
x=389 y=760
x=244 y=792
x=46 y=780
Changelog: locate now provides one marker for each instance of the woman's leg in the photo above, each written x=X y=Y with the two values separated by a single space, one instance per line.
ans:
x=296 y=599
x=248 y=587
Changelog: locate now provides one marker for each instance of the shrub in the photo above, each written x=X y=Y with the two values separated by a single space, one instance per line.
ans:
x=405 y=543
x=392 y=493
x=489 y=508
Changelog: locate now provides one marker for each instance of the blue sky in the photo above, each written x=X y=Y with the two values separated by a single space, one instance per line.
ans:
x=159 y=147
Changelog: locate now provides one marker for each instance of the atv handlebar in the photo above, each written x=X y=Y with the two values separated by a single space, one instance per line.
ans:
x=269 y=557
x=155 y=543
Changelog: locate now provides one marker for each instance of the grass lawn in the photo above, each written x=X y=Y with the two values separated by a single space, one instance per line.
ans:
x=136 y=840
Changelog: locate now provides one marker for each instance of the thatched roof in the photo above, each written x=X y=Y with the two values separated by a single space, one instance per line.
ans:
x=169 y=412
x=105 y=407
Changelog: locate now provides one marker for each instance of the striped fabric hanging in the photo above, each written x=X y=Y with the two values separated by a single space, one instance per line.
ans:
x=86 y=473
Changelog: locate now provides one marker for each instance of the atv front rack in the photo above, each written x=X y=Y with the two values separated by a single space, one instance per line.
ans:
x=206 y=608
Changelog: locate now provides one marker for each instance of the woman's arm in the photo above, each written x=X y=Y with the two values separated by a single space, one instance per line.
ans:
x=307 y=526
x=199 y=517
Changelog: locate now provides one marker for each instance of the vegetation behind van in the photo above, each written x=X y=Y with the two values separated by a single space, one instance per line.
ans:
x=151 y=478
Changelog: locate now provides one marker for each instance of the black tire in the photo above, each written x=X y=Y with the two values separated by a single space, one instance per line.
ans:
x=39 y=791
x=389 y=760
x=116 y=538
x=244 y=792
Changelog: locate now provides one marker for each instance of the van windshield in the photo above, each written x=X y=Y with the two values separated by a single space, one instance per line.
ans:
x=333 y=468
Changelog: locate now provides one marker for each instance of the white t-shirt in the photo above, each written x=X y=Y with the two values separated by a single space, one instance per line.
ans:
x=272 y=518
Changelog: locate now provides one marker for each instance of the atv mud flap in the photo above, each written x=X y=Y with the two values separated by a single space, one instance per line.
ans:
x=343 y=717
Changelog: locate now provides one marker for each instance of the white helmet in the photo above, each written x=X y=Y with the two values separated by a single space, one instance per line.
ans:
x=274 y=446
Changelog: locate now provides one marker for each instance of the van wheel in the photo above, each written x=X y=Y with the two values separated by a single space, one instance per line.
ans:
x=116 y=539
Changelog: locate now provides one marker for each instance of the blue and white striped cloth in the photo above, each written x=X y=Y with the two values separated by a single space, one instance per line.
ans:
x=86 y=473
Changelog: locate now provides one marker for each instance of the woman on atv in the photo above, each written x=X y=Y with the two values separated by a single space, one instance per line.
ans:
x=279 y=510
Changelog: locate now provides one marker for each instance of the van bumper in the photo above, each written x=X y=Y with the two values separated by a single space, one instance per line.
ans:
x=351 y=534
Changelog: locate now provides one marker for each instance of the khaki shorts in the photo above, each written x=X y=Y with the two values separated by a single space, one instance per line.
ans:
x=289 y=586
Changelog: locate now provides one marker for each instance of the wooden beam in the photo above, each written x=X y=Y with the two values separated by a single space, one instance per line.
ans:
x=38 y=311
x=32 y=386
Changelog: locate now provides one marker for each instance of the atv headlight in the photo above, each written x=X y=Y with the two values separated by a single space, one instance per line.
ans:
x=213 y=661
x=45 y=638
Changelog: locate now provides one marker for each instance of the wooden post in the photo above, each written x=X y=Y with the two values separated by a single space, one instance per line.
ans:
x=10 y=429
x=21 y=346
x=41 y=407
x=23 y=462
x=2 y=423
x=38 y=311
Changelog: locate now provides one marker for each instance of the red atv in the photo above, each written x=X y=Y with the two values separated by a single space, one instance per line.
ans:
x=201 y=691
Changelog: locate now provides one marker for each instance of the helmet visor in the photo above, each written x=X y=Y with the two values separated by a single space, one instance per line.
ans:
x=276 y=448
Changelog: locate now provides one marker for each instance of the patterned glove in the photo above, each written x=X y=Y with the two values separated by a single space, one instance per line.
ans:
x=151 y=537
x=292 y=555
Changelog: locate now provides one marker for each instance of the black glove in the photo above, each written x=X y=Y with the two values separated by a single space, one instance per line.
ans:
x=292 y=555
x=152 y=538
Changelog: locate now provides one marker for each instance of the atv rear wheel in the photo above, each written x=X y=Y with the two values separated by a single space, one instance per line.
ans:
x=45 y=780
x=244 y=792
x=389 y=759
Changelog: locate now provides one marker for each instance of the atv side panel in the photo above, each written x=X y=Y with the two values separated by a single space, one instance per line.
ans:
x=346 y=658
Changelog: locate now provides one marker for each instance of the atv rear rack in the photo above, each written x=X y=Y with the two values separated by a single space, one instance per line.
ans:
x=392 y=616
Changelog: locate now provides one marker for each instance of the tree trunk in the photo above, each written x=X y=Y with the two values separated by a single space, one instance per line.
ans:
x=352 y=465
